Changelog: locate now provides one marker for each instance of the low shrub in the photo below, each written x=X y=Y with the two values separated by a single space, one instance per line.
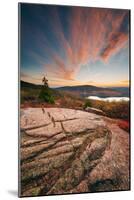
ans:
x=88 y=103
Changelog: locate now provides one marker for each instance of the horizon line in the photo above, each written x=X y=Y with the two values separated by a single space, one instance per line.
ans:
x=127 y=86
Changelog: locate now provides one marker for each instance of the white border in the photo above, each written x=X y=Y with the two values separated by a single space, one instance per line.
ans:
x=9 y=96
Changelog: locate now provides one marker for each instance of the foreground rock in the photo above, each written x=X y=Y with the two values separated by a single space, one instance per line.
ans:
x=69 y=151
x=95 y=110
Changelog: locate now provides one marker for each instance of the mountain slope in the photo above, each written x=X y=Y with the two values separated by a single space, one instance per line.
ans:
x=79 y=91
x=90 y=90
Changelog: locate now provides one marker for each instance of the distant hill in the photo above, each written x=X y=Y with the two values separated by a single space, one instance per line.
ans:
x=24 y=84
x=90 y=90
x=123 y=90
x=79 y=91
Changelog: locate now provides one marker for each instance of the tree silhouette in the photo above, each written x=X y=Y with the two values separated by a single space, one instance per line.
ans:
x=45 y=81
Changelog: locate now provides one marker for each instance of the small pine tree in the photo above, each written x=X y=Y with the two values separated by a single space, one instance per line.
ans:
x=45 y=93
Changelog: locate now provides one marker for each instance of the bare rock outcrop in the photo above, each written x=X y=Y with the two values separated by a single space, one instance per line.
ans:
x=70 y=151
x=95 y=110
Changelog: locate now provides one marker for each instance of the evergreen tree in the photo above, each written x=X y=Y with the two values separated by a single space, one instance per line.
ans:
x=46 y=93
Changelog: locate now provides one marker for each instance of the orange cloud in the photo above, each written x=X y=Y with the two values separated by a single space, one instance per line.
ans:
x=93 y=34
x=95 y=30
x=116 y=43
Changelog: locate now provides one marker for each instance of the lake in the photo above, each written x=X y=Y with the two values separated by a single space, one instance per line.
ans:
x=110 y=99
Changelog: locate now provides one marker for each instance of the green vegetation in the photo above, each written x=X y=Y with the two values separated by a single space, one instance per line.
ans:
x=46 y=95
x=87 y=103
x=36 y=94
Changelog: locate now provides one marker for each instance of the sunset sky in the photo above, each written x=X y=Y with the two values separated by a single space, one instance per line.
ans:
x=74 y=45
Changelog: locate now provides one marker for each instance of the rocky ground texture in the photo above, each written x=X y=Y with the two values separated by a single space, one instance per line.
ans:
x=71 y=151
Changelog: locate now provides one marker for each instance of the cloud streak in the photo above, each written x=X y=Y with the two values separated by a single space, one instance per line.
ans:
x=93 y=34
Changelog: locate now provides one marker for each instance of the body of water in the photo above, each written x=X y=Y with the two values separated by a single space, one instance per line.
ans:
x=110 y=99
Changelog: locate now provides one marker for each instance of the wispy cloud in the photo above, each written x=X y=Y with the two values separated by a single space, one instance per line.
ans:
x=29 y=78
x=93 y=34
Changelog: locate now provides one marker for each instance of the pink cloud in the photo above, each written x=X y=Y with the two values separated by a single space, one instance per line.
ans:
x=93 y=34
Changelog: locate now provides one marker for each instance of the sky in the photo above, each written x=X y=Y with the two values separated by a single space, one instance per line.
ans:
x=74 y=45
